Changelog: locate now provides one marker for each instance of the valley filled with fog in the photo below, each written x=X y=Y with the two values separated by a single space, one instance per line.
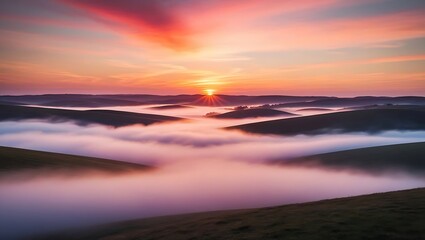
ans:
x=198 y=165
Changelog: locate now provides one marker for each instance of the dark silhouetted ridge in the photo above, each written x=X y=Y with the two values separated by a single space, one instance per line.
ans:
x=170 y=106
x=371 y=121
x=409 y=157
x=252 y=113
x=16 y=159
x=104 y=117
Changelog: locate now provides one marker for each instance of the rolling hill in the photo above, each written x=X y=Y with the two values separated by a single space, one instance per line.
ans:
x=104 y=117
x=87 y=100
x=16 y=160
x=393 y=215
x=109 y=100
x=252 y=113
x=170 y=106
x=409 y=157
x=356 y=102
x=371 y=121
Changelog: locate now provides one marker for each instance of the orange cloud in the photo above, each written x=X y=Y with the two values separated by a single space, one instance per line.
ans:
x=407 y=58
x=392 y=59
x=327 y=34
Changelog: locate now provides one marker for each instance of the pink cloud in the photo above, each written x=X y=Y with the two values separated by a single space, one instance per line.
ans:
x=224 y=27
x=148 y=19
x=182 y=25
x=337 y=33
x=51 y=22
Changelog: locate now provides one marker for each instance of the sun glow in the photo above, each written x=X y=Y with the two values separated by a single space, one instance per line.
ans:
x=210 y=99
x=209 y=92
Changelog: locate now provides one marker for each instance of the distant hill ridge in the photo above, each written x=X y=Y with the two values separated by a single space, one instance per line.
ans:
x=370 y=120
x=252 y=113
x=104 y=117
x=407 y=157
x=107 y=100
x=17 y=160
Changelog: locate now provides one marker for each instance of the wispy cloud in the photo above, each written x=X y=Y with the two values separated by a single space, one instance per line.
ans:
x=391 y=59
x=149 y=19
x=248 y=25
x=181 y=46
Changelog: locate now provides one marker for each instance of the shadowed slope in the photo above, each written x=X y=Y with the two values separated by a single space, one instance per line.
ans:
x=16 y=159
x=394 y=215
x=408 y=157
x=388 y=106
x=252 y=113
x=86 y=100
x=372 y=121
x=356 y=102
x=170 y=106
x=104 y=117
x=92 y=102
x=314 y=109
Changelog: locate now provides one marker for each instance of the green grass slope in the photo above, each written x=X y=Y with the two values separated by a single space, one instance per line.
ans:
x=16 y=159
x=372 y=121
x=408 y=157
x=393 y=215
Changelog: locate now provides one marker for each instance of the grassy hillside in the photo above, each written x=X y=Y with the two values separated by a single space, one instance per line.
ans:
x=394 y=215
x=252 y=113
x=408 y=157
x=371 y=120
x=104 y=117
x=16 y=159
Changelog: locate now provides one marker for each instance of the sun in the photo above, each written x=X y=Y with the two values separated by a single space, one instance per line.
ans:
x=209 y=92
x=210 y=99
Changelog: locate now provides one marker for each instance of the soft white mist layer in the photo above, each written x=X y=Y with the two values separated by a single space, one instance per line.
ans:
x=187 y=141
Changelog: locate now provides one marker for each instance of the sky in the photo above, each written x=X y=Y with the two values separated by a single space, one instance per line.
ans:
x=255 y=47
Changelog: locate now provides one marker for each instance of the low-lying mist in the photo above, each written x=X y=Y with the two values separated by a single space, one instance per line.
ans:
x=187 y=141
x=47 y=204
